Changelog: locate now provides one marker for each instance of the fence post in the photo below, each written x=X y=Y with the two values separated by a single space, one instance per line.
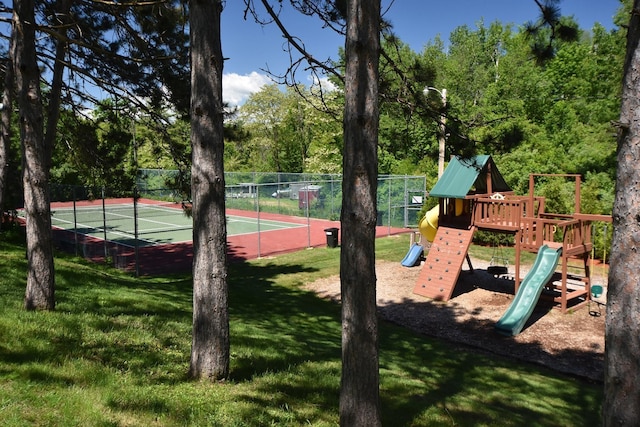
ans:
x=135 y=229
x=306 y=204
x=258 y=217
x=406 y=202
x=104 y=227
x=389 y=207
x=331 y=198
x=75 y=222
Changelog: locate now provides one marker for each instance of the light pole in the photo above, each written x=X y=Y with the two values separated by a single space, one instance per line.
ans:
x=443 y=128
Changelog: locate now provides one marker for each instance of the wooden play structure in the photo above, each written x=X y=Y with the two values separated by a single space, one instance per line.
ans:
x=474 y=196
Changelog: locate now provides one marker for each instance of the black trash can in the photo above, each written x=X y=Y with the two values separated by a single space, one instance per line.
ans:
x=332 y=237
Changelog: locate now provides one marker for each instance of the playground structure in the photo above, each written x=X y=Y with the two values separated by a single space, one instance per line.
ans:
x=474 y=196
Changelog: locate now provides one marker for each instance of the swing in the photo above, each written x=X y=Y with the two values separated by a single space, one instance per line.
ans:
x=498 y=264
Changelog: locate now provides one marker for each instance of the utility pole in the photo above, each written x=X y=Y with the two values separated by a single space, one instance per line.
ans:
x=443 y=133
x=443 y=128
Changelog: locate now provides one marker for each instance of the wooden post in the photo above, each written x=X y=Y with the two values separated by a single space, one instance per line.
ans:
x=578 y=183
x=516 y=279
x=531 y=198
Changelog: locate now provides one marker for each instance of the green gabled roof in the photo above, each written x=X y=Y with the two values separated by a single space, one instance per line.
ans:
x=465 y=175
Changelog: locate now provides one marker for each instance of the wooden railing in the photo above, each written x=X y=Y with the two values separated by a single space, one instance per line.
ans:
x=504 y=215
x=576 y=236
x=509 y=215
x=532 y=227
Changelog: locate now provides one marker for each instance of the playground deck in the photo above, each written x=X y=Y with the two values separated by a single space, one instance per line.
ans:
x=473 y=195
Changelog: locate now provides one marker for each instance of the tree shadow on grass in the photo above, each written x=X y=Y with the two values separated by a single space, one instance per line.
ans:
x=474 y=346
x=278 y=326
x=121 y=322
x=469 y=355
x=287 y=343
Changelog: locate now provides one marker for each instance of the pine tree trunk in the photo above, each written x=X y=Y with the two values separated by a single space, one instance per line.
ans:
x=63 y=21
x=210 y=341
x=359 y=394
x=36 y=161
x=5 y=130
x=622 y=336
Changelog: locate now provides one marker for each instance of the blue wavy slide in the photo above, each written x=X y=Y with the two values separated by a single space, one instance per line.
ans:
x=514 y=319
x=412 y=258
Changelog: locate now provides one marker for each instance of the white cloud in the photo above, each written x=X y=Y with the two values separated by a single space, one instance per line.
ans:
x=236 y=88
x=323 y=82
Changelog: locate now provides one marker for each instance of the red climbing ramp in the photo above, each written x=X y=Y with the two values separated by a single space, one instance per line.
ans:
x=440 y=271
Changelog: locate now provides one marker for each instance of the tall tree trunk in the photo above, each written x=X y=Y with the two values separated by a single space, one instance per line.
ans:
x=210 y=341
x=622 y=335
x=63 y=20
x=36 y=160
x=5 y=127
x=359 y=394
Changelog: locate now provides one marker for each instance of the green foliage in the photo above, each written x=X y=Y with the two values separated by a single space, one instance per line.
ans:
x=165 y=147
x=95 y=152
x=108 y=148
x=552 y=116
x=550 y=30
x=597 y=193
x=286 y=131
x=494 y=240
x=403 y=132
x=279 y=129
x=601 y=236
x=559 y=194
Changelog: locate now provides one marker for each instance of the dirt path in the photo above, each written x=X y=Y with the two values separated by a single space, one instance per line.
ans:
x=571 y=343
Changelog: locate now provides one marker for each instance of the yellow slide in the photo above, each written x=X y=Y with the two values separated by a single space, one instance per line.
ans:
x=429 y=224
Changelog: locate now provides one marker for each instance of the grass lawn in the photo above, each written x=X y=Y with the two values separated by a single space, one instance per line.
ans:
x=116 y=353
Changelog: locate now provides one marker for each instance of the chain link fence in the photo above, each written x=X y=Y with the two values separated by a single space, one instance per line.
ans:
x=400 y=199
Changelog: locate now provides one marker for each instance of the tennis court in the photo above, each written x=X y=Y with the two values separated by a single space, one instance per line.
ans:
x=148 y=223
x=106 y=230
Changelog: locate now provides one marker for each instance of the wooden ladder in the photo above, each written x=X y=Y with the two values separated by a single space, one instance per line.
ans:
x=441 y=270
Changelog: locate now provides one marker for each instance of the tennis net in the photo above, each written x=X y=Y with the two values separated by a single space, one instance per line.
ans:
x=115 y=212
x=139 y=218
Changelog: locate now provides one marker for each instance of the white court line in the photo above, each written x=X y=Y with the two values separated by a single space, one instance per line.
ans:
x=102 y=230
x=271 y=225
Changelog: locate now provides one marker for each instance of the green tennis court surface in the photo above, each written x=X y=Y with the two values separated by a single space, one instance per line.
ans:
x=156 y=224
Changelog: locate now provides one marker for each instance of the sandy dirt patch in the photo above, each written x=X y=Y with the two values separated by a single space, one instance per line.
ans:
x=571 y=343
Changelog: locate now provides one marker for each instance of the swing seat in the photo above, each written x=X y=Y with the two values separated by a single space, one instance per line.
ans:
x=498 y=264
x=596 y=291
x=497 y=270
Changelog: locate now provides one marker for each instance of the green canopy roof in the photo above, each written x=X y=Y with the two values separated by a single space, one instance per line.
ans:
x=469 y=175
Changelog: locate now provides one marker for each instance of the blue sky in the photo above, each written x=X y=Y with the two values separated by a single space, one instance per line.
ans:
x=251 y=48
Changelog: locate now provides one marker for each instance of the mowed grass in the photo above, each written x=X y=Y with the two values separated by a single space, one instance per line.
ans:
x=116 y=353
